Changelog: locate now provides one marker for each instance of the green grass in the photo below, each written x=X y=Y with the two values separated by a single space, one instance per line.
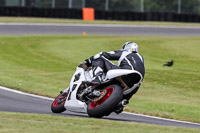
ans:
x=37 y=123
x=51 y=20
x=44 y=65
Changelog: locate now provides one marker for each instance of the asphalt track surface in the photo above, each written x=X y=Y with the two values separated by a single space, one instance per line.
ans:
x=95 y=29
x=16 y=101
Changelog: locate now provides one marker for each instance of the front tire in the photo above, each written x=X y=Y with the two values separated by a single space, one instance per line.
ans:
x=58 y=104
x=107 y=104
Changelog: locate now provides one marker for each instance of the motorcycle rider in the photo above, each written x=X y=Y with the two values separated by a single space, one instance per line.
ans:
x=128 y=58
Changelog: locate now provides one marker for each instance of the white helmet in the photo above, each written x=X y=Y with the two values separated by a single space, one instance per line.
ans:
x=131 y=47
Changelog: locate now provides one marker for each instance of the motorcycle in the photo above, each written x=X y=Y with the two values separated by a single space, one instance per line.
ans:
x=96 y=101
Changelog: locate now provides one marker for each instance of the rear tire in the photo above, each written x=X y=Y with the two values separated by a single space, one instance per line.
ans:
x=107 y=104
x=57 y=106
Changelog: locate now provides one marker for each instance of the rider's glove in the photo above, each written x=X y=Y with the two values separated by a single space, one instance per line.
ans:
x=83 y=65
x=88 y=62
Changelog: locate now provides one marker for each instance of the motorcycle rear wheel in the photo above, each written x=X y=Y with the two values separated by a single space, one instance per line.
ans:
x=107 y=103
x=58 y=106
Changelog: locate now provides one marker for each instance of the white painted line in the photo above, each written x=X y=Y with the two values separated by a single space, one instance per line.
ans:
x=24 y=93
x=100 y=25
x=47 y=98
x=159 y=118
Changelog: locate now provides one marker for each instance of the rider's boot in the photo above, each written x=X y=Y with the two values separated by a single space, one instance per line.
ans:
x=90 y=85
x=97 y=77
x=97 y=74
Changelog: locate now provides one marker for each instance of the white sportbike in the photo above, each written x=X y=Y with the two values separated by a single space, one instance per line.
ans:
x=96 y=101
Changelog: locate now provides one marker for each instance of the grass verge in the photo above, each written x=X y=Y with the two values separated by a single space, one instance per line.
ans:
x=37 y=123
x=44 y=65
x=74 y=21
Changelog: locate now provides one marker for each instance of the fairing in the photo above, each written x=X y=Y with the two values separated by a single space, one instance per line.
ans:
x=75 y=105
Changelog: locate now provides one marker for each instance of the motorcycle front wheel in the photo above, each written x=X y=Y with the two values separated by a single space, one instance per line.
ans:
x=58 y=104
x=106 y=104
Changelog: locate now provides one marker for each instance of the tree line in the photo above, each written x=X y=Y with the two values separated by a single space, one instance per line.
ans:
x=182 y=6
x=187 y=6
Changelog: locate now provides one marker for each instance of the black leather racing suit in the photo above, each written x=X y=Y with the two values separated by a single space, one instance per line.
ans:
x=126 y=60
